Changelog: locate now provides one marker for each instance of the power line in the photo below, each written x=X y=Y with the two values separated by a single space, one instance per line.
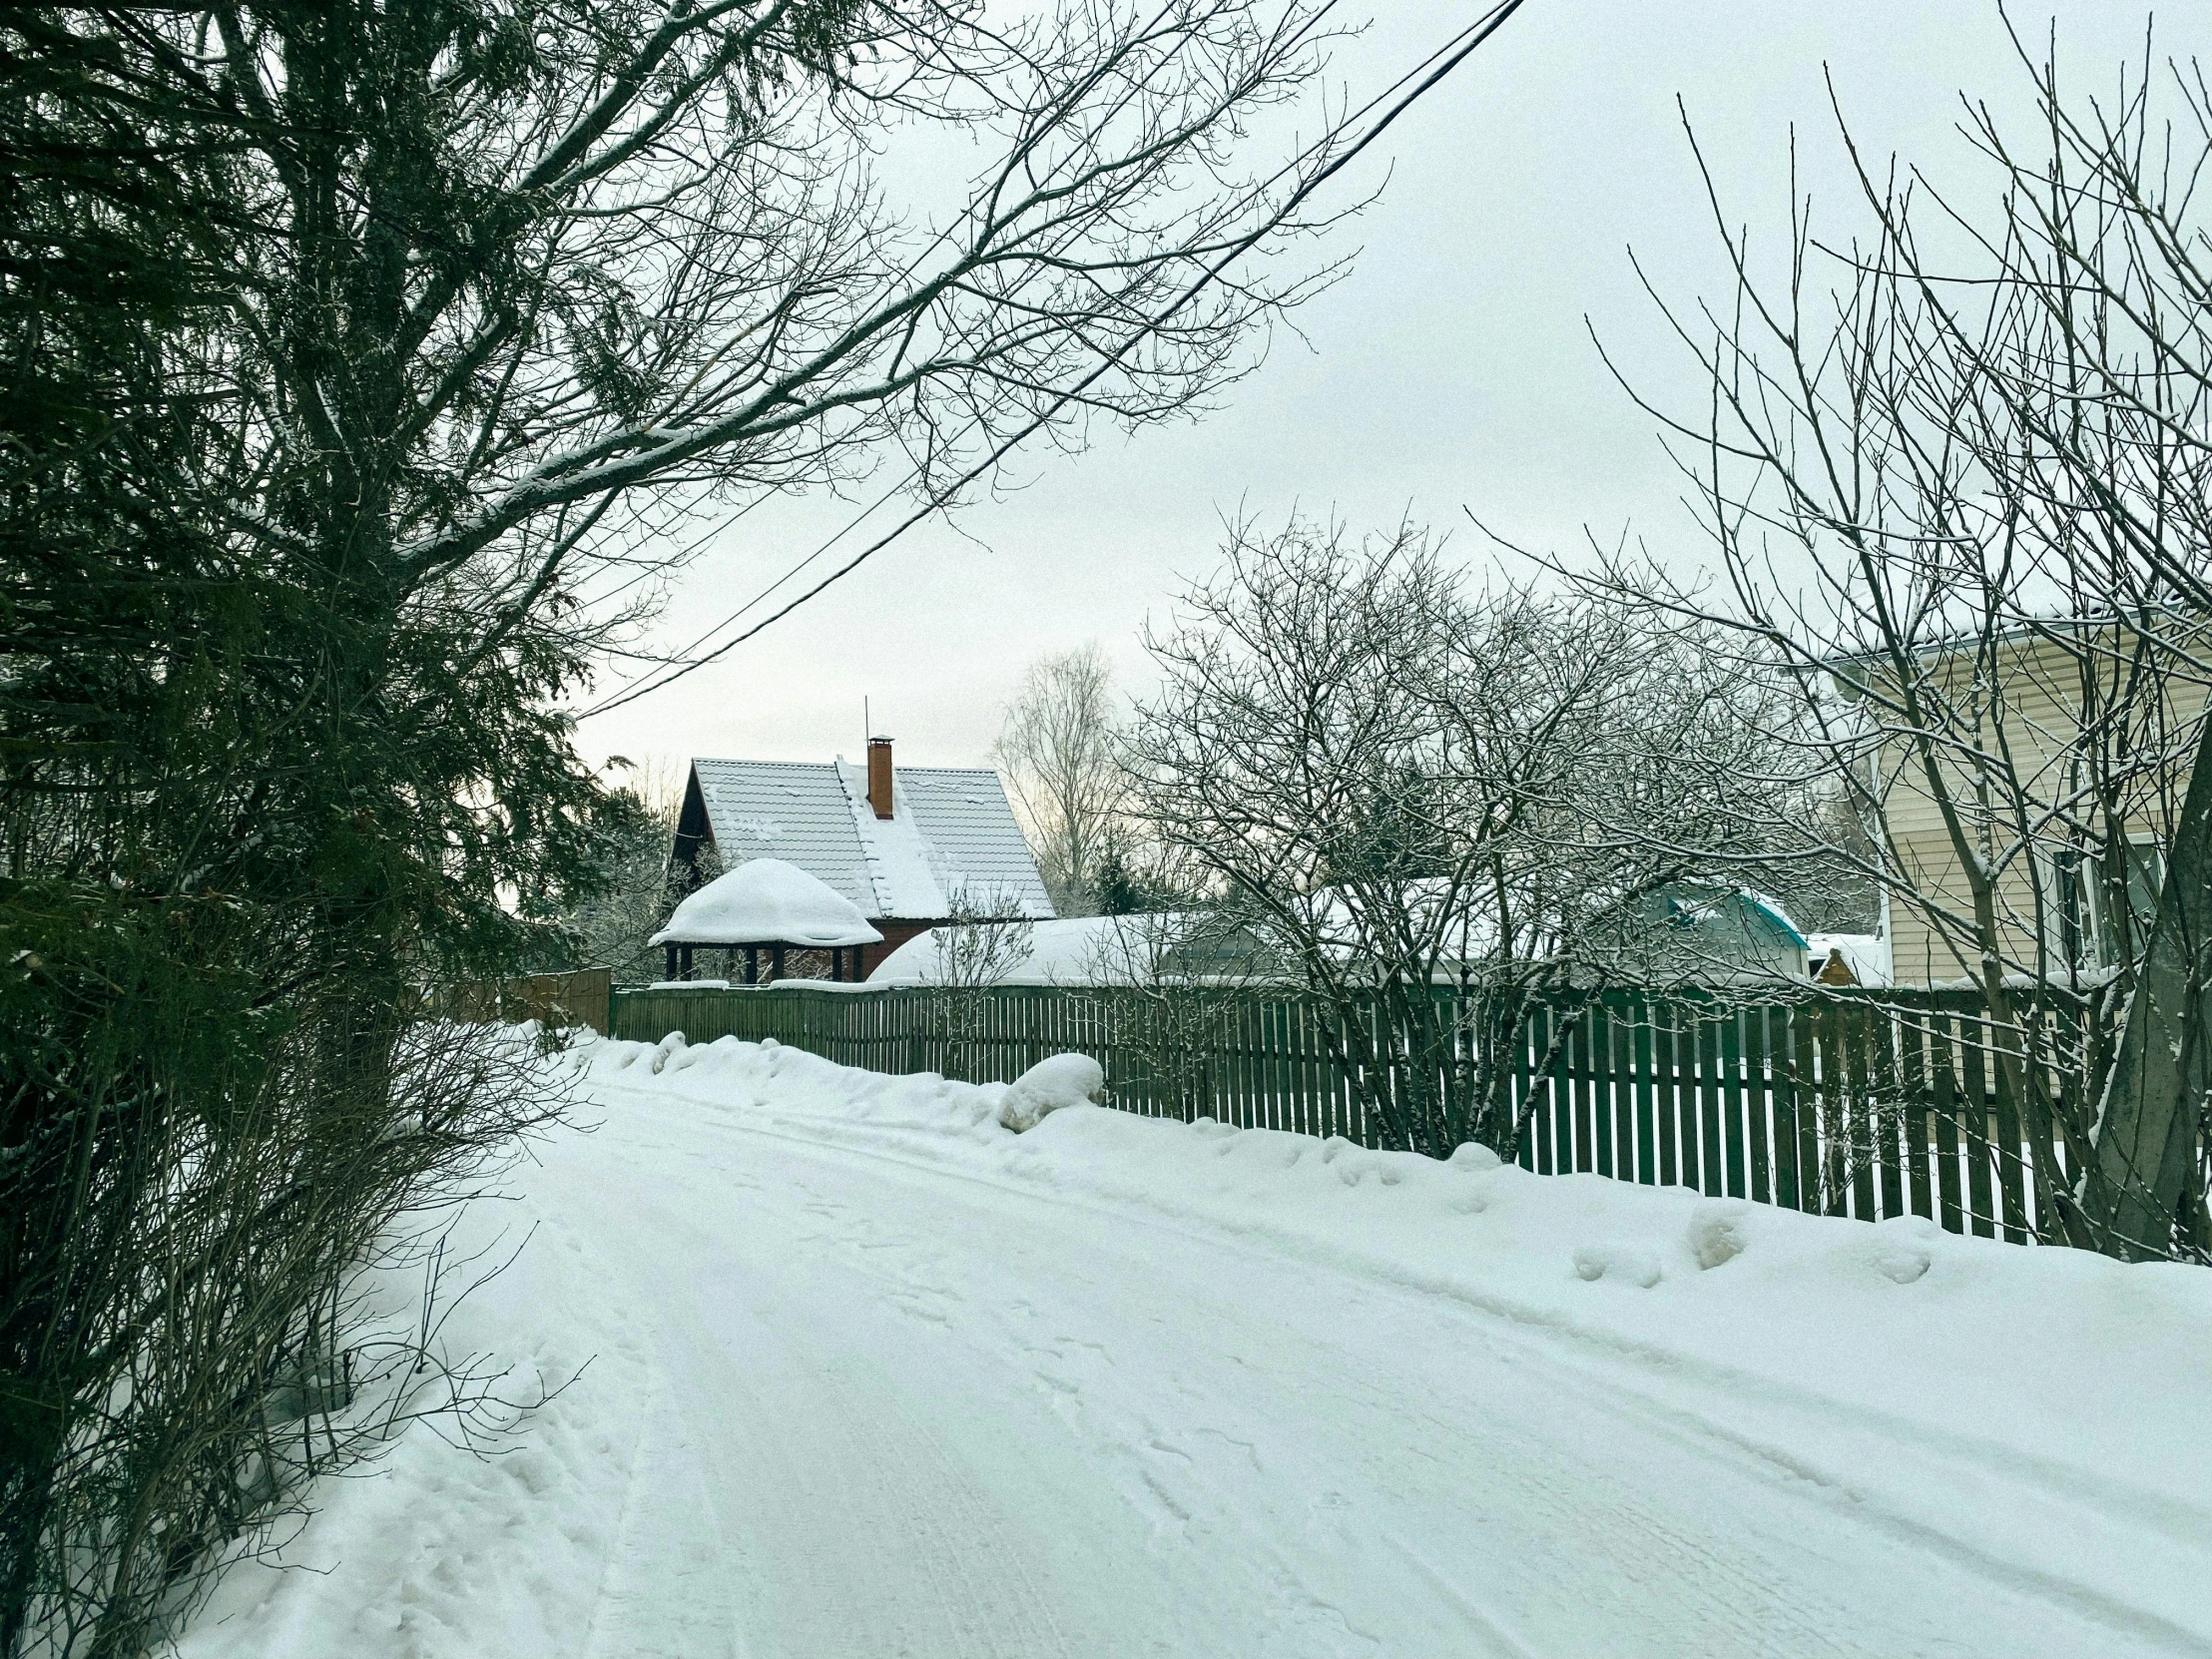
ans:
x=1423 y=78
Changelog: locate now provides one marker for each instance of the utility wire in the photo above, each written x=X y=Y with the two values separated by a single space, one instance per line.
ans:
x=1444 y=60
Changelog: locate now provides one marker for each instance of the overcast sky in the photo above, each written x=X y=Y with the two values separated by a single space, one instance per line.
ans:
x=1452 y=367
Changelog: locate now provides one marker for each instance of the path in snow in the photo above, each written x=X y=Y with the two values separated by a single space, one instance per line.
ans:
x=871 y=1377
x=899 y=1410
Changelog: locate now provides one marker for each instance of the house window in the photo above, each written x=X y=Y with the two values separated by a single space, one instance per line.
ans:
x=2073 y=908
x=2113 y=934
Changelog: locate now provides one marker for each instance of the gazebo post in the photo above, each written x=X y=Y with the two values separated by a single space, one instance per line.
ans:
x=752 y=965
x=671 y=963
x=776 y=961
x=683 y=961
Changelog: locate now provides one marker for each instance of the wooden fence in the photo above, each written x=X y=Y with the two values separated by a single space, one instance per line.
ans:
x=584 y=997
x=1855 y=1104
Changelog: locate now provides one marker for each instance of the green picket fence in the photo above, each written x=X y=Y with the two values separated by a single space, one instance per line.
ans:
x=1852 y=1104
x=1859 y=1105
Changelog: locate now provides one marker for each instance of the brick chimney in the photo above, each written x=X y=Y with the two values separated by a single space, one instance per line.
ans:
x=880 y=775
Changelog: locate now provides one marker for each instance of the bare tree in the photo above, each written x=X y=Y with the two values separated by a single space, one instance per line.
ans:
x=1170 y=990
x=639 y=890
x=1440 y=805
x=987 y=939
x=1957 y=481
x=370 y=352
x=1058 y=752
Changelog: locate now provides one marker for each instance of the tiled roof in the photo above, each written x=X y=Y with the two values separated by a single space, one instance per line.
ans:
x=950 y=830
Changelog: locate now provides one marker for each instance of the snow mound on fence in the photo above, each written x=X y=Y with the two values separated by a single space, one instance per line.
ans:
x=1061 y=1080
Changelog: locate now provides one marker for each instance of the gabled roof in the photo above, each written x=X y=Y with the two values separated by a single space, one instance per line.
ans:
x=950 y=830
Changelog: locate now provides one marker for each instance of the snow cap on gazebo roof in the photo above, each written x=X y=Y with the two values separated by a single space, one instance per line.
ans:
x=767 y=902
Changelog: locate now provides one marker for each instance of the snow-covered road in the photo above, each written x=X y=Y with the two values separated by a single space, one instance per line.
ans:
x=874 y=1389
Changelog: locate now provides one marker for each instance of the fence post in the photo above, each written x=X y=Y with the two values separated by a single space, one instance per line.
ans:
x=1732 y=1097
x=1667 y=1041
x=1646 y=1143
x=1598 y=1112
x=1974 y=1119
x=1912 y=1037
x=1858 y=1109
x=1758 y=1092
x=1711 y=1177
x=2012 y=1199
x=1793 y=1053
x=1577 y=1057
x=1886 y=1111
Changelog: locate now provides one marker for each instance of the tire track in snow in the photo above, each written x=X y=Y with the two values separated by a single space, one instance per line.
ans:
x=1750 y=1602
x=881 y=1466
x=663 y=1593
x=1497 y=1641
x=1595 y=1361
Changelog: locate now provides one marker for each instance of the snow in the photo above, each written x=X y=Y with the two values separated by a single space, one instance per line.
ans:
x=1626 y=1263
x=1060 y=1080
x=1078 y=951
x=907 y=881
x=853 y=1369
x=1718 y=1231
x=766 y=902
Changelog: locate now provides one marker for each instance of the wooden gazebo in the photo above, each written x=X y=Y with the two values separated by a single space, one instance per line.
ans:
x=767 y=905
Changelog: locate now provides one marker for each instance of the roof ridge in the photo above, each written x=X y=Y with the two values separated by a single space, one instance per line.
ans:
x=831 y=766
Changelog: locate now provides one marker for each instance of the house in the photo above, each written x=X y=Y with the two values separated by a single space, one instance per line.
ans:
x=910 y=848
x=2063 y=752
x=1694 y=932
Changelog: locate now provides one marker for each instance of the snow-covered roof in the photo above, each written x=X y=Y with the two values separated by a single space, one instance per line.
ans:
x=1078 y=951
x=766 y=902
x=1099 y=950
x=950 y=830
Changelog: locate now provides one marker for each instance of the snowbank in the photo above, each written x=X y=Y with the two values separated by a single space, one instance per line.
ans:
x=804 y=1290
x=1970 y=1348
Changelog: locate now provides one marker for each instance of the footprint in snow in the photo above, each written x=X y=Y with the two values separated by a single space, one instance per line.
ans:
x=1625 y=1264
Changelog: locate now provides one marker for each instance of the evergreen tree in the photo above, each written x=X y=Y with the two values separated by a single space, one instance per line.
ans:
x=354 y=348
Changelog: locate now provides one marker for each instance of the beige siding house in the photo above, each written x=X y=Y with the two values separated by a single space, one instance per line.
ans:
x=2061 y=757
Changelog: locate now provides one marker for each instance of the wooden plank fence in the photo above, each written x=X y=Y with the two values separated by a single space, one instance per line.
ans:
x=584 y=997
x=1859 y=1104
